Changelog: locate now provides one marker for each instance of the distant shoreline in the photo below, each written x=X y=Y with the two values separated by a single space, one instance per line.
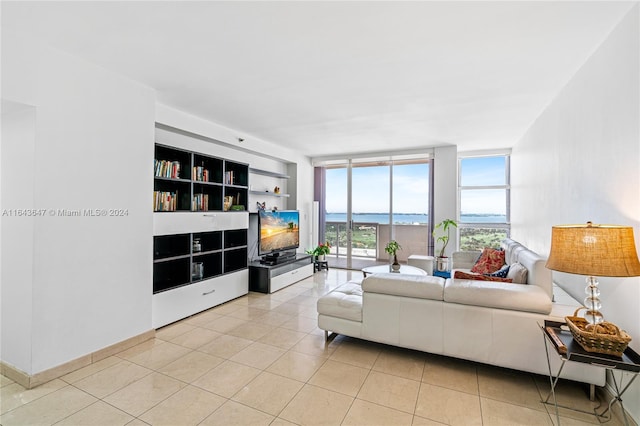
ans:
x=411 y=218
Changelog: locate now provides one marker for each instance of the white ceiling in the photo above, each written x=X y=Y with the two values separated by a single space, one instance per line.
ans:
x=339 y=77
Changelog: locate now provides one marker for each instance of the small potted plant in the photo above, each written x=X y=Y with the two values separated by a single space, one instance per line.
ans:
x=442 y=260
x=321 y=251
x=392 y=247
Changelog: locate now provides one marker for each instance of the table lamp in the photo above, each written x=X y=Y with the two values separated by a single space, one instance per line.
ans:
x=595 y=251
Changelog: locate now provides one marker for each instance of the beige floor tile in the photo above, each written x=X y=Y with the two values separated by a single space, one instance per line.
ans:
x=281 y=422
x=248 y=313
x=13 y=395
x=363 y=413
x=174 y=330
x=569 y=394
x=143 y=394
x=297 y=366
x=225 y=346
x=91 y=369
x=273 y=319
x=159 y=355
x=111 y=379
x=289 y=308
x=234 y=414
x=356 y=352
x=97 y=414
x=140 y=348
x=309 y=312
x=223 y=324
x=421 y=421
x=340 y=377
x=301 y=324
x=399 y=362
x=501 y=413
x=317 y=406
x=451 y=373
x=188 y=406
x=202 y=318
x=227 y=378
x=251 y=330
x=305 y=300
x=315 y=345
x=509 y=386
x=268 y=393
x=448 y=406
x=195 y=338
x=282 y=338
x=49 y=409
x=226 y=308
x=390 y=391
x=258 y=355
x=191 y=366
x=264 y=303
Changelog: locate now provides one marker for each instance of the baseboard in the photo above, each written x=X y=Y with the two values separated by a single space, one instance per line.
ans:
x=31 y=381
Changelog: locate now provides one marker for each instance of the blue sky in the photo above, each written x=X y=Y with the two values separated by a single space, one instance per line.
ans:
x=411 y=187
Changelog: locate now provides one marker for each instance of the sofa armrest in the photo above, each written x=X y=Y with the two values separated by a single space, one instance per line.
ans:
x=464 y=259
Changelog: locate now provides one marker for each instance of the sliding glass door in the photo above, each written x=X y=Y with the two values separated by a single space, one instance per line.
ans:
x=369 y=203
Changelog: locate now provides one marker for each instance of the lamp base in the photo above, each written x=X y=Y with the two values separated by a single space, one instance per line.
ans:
x=592 y=302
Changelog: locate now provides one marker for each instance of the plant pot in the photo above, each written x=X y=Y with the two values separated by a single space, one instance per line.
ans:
x=395 y=266
x=442 y=264
x=322 y=257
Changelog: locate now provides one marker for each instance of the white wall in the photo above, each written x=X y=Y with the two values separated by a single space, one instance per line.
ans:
x=91 y=277
x=580 y=161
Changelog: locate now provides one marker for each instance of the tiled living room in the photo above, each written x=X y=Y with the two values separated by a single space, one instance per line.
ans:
x=223 y=114
x=261 y=360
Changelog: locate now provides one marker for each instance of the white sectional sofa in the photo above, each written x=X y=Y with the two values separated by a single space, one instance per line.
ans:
x=489 y=322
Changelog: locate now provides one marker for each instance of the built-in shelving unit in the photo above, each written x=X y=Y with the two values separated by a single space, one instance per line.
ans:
x=269 y=190
x=200 y=248
x=189 y=181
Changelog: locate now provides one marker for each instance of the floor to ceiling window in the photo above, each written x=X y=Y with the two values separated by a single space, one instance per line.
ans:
x=368 y=202
x=484 y=197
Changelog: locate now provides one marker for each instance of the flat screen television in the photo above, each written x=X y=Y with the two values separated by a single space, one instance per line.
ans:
x=278 y=231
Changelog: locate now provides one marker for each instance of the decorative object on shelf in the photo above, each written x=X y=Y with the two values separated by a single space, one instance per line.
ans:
x=392 y=247
x=593 y=250
x=228 y=202
x=237 y=208
x=276 y=190
x=261 y=206
x=442 y=261
x=197 y=246
x=321 y=251
x=197 y=271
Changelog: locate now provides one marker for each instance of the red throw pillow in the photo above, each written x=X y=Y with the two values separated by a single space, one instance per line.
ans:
x=489 y=262
x=479 y=277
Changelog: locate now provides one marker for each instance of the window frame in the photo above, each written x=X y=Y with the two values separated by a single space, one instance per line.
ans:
x=506 y=187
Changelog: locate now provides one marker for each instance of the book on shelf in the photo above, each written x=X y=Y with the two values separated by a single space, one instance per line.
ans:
x=199 y=173
x=200 y=203
x=164 y=201
x=167 y=169
x=229 y=179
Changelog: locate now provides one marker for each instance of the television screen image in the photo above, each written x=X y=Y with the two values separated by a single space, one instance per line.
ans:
x=279 y=231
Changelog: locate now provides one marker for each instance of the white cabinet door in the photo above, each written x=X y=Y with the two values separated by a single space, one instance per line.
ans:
x=191 y=222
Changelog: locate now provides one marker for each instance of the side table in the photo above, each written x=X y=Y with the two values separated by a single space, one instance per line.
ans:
x=570 y=351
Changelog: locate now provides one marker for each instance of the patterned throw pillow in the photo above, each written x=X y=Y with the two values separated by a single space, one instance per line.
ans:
x=501 y=273
x=479 y=277
x=489 y=262
x=518 y=273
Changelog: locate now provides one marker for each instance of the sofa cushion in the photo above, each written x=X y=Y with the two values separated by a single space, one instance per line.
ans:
x=500 y=273
x=418 y=286
x=499 y=295
x=518 y=273
x=480 y=277
x=345 y=301
x=490 y=261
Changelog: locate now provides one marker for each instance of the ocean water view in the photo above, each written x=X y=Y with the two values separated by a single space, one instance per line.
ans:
x=410 y=218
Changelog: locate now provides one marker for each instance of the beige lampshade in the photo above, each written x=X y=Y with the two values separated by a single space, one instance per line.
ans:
x=595 y=250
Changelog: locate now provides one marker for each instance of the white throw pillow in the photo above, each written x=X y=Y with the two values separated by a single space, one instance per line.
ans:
x=518 y=273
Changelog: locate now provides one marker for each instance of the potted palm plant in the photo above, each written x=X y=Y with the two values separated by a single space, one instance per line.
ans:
x=442 y=261
x=392 y=247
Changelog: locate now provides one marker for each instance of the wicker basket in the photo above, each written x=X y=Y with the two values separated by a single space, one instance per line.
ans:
x=610 y=344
